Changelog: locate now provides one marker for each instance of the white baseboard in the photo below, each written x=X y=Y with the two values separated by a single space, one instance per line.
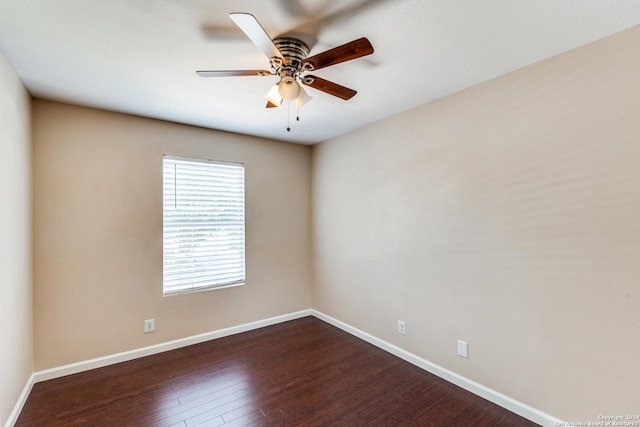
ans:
x=500 y=399
x=13 y=416
x=99 y=362
x=493 y=396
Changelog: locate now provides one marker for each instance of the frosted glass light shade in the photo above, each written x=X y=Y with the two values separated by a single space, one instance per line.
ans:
x=289 y=89
x=273 y=96
x=303 y=98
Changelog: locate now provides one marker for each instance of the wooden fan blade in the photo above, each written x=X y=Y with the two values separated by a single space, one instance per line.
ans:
x=346 y=52
x=252 y=28
x=233 y=73
x=271 y=105
x=329 y=87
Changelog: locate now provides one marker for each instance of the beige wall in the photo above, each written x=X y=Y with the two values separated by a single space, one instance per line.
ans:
x=507 y=215
x=16 y=326
x=98 y=233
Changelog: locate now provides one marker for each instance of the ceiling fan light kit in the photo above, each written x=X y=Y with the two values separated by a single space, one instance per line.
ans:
x=303 y=98
x=289 y=89
x=289 y=60
x=273 y=97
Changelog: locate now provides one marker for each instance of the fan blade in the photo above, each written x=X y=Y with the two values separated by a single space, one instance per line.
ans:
x=329 y=87
x=271 y=105
x=233 y=73
x=346 y=52
x=252 y=28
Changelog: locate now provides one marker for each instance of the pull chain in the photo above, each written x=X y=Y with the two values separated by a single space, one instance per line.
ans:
x=288 y=126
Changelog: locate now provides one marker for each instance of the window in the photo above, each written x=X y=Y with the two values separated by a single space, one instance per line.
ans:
x=203 y=224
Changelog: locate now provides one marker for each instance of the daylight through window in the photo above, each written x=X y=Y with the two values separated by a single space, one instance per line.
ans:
x=203 y=224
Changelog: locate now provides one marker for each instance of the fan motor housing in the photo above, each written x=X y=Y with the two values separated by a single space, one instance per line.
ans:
x=294 y=52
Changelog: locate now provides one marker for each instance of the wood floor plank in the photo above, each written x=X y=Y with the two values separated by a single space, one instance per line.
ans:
x=252 y=418
x=299 y=373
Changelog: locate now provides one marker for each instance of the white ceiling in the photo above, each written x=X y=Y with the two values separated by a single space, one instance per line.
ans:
x=140 y=56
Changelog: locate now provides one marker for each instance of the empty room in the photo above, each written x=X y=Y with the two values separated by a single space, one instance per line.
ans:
x=318 y=212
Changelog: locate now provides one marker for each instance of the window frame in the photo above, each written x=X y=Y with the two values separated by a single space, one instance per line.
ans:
x=190 y=287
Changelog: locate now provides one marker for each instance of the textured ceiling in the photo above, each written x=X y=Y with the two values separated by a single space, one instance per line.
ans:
x=140 y=56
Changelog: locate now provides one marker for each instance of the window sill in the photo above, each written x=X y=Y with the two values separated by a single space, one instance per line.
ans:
x=202 y=289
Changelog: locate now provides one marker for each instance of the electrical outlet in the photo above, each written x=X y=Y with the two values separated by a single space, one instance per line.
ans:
x=149 y=325
x=463 y=349
x=402 y=327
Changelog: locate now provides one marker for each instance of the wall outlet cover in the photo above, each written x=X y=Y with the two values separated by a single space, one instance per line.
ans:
x=402 y=327
x=463 y=349
x=149 y=325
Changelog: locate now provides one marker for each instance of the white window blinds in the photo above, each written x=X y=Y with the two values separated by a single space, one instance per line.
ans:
x=203 y=224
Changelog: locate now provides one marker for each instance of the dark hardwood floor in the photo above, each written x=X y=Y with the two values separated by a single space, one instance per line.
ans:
x=299 y=373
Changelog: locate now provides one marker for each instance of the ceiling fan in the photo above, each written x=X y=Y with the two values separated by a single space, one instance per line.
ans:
x=289 y=61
